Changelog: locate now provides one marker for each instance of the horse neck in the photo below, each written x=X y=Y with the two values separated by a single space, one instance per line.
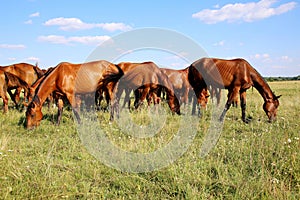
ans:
x=45 y=88
x=262 y=87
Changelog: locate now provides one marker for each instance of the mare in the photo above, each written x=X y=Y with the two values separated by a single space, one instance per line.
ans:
x=182 y=88
x=180 y=82
x=53 y=97
x=69 y=80
x=27 y=72
x=143 y=78
x=235 y=75
x=10 y=81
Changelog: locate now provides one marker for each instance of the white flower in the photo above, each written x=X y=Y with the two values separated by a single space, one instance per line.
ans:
x=275 y=181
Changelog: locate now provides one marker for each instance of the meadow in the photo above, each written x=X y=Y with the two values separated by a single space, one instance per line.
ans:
x=259 y=160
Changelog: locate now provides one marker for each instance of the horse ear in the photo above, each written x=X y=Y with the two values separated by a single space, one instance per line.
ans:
x=277 y=97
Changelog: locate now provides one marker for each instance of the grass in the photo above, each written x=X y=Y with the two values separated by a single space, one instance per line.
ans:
x=258 y=160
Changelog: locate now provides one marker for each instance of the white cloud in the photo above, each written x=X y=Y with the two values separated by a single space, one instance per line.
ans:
x=220 y=43
x=28 y=21
x=36 y=14
x=217 y=6
x=12 y=46
x=33 y=59
x=263 y=57
x=11 y=59
x=68 y=24
x=286 y=59
x=89 y=40
x=247 y=12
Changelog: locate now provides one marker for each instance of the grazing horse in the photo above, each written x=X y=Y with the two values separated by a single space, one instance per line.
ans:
x=69 y=80
x=236 y=76
x=53 y=97
x=180 y=82
x=182 y=87
x=143 y=78
x=10 y=81
x=27 y=72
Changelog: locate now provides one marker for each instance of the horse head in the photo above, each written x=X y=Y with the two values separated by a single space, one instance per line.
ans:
x=270 y=107
x=34 y=115
x=203 y=98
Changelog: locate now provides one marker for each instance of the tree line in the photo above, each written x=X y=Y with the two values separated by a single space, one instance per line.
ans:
x=279 y=78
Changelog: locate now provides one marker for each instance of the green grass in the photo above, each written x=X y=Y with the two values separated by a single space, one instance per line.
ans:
x=258 y=160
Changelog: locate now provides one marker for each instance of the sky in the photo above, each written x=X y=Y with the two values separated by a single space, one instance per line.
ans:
x=264 y=32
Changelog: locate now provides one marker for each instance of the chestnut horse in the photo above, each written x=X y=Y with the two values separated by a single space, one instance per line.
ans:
x=70 y=79
x=236 y=76
x=180 y=82
x=182 y=88
x=143 y=78
x=27 y=72
x=10 y=81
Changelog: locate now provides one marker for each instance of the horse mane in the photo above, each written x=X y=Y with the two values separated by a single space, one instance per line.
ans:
x=44 y=75
x=259 y=82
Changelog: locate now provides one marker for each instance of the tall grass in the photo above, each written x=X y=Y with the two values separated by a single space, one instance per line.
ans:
x=258 y=160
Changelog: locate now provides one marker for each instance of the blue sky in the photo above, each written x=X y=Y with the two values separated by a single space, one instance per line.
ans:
x=264 y=32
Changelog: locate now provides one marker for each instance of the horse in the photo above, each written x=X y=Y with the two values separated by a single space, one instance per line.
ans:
x=10 y=81
x=143 y=78
x=235 y=75
x=180 y=82
x=27 y=72
x=70 y=79
x=182 y=88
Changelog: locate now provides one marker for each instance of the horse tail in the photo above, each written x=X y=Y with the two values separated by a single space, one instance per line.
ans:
x=113 y=77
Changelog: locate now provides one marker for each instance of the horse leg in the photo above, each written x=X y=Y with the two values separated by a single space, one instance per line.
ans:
x=5 y=103
x=231 y=95
x=17 y=96
x=243 y=106
x=74 y=101
x=114 y=94
x=107 y=98
x=145 y=92
x=194 y=105
x=60 y=105
x=98 y=99
x=12 y=98
x=218 y=95
x=137 y=97
x=126 y=99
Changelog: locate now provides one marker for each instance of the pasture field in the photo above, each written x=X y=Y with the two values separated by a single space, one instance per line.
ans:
x=258 y=160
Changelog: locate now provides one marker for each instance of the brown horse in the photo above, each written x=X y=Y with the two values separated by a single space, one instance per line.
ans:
x=236 y=76
x=70 y=79
x=180 y=82
x=10 y=81
x=182 y=88
x=53 y=97
x=143 y=78
x=27 y=72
